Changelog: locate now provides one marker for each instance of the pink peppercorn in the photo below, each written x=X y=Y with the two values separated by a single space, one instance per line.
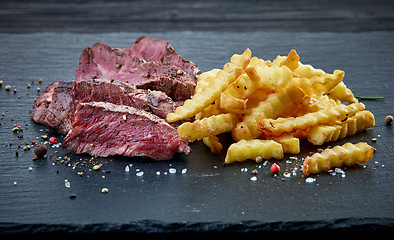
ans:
x=275 y=168
x=53 y=140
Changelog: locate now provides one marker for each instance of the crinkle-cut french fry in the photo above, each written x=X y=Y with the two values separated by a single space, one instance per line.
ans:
x=342 y=93
x=310 y=104
x=274 y=76
x=278 y=60
x=279 y=126
x=272 y=107
x=213 y=143
x=330 y=133
x=260 y=95
x=205 y=127
x=346 y=155
x=212 y=91
x=231 y=104
x=243 y=59
x=255 y=61
x=307 y=71
x=318 y=85
x=203 y=99
x=290 y=144
x=245 y=85
x=251 y=149
x=292 y=60
x=212 y=109
x=315 y=104
x=204 y=79
x=238 y=62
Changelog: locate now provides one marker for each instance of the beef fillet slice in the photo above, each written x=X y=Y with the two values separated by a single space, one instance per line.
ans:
x=149 y=63
x=105 y=129
x=55 y=106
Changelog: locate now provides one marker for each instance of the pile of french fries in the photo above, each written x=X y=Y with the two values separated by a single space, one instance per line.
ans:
x=269 y=106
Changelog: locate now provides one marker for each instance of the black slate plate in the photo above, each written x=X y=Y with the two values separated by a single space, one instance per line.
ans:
x=207 y=193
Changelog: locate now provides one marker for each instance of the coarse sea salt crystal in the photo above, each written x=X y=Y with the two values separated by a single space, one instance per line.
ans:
x=127 y=168
x=294 y=171
x=56 y=145
x=310 y=180
x=184 y=170
x=254 y=178
x=338 y=170
x=172 y=170
x=157 y=173
x=139 y=174
x=286 y=174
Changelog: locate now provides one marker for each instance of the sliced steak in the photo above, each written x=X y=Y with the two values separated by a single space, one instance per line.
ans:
x=151 y=49
x=105 y=129
x=41 y=103
x=56 y=105
x=147 y=57
x=162 y=77
x=104 y=62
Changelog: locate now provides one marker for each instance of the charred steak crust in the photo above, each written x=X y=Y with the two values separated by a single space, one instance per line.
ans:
x=105 y=129
x=149 y=63
x=55 y=106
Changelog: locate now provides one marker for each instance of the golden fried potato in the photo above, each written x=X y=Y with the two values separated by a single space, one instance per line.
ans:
x=319 y=85
x=307 y=71
x=204 y=79
x=251 y=149
x=292 y=60
x=274 y=76
x=269 y=106
x=213 y=143
x=238 y=62
x=209 y=126
x=279 y=126
x=212 y=109
x=290 y=144
x=231 y=104
x=345 y=155
x=245 y=85
x=342 y=93
x=203 y=99
x=255 y=61
x=272 y=107
x=330 y=133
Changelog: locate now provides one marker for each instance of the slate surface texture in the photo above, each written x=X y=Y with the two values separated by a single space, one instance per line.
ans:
x=208 y=196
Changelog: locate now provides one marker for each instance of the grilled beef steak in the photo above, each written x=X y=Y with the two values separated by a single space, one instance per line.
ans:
x=119 y=101
x=105 y=129
x=162 y=68
x=56 y=105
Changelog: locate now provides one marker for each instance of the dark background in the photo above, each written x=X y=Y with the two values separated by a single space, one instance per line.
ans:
x=43 y=39
x=222 y=15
